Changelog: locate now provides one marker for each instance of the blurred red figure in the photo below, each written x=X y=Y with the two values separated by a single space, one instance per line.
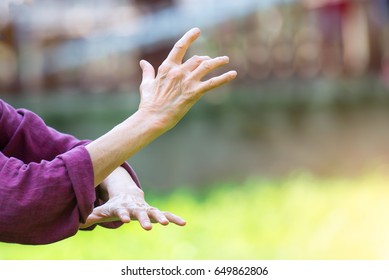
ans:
x=346 y=31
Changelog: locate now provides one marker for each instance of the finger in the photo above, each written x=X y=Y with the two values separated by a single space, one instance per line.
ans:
x=143 y=219
x=157 y=216
x=217 y=81
x=123 y=215
x=91 y=220
x=102 y=214
x=194 y=62
x=209 y=65
x=178 y=52
x=175 y=219
x=148 y=71
x=94 y=218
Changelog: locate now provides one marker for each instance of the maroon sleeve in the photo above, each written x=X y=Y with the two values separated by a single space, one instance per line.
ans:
x=45 y=202
x=25 y=136
x=35 y=156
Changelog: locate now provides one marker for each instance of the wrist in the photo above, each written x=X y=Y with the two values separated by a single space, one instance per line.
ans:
x=116 y=182
x=153 y=123
x=123 y=141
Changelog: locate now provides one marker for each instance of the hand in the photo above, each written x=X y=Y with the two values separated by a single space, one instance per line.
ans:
x=177 y=86
x=125 y=203
x=165 y=99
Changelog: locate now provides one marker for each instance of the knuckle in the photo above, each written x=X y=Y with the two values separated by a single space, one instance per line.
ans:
x=121 y=211
x=202 y=59
x=207 y=65
x=175 y=73
x=205 y=58
x=136 y=210
x=198 y=58
x=151 y=209
x=190 y=97
x=109 y=210
x=195 y=59
x=179 y=45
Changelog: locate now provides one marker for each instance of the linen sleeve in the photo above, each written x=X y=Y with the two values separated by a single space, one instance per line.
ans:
x=43 y=173
x=44 y=202
x=24 y=135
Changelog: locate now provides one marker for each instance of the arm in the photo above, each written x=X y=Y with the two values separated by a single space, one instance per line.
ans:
x=25 y=136
x=44 y=202
x=165 y=99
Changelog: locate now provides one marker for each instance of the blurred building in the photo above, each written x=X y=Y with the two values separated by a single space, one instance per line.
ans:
x=41 y=44
x=310 y=38
x=47 y=44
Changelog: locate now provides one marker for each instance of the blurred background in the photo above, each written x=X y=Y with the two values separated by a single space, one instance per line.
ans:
x=288 y=161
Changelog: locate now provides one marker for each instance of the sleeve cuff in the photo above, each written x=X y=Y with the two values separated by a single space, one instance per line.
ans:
x=80 y=170
x=132 y=173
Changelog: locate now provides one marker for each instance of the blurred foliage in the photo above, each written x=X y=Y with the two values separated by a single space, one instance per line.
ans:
x=297 y=217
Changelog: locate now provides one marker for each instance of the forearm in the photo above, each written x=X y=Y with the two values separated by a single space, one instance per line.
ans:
x=113 y=148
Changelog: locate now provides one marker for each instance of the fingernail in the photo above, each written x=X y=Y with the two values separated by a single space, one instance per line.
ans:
x=147 y=226
x=125 y=219
x=196 y=30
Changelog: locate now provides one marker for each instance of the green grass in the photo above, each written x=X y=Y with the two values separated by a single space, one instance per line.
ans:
x=299 y=217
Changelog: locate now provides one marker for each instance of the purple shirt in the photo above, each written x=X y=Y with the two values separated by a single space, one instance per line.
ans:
x=46 y=180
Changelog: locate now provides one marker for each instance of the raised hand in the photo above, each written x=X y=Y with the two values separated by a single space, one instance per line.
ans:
x=178 y=85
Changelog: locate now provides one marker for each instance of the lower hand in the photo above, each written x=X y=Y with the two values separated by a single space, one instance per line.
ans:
x=126 y=202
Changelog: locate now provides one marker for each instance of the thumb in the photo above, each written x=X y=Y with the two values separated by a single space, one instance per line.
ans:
x=148 y=71
x=103 y=214
x=94 y=218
